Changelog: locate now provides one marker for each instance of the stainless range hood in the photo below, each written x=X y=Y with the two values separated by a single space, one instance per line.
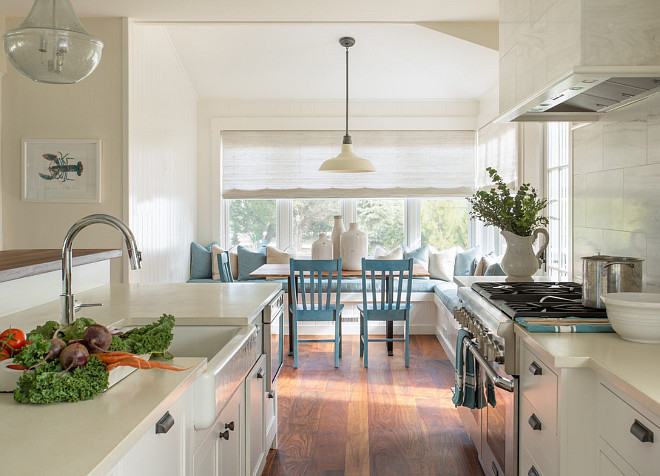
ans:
x=585 y=93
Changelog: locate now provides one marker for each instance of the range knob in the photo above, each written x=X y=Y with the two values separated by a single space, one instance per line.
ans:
x=490 y=347
x=499 y=354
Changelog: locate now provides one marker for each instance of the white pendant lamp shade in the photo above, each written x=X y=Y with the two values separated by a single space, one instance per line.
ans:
x=347 y=161
x=52 y=46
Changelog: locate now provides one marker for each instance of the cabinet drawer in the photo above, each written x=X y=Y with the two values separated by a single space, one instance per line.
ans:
x=527 y=466
x=541 y=443
x=611 y=464
x=539 y=385
x=616 y=419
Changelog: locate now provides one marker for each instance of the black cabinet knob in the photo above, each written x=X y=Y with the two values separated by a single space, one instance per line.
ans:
x=260 y=373
x=230 y=425
x=271 y=394
x=224 y=435
x=535 y=369
x=165 y=423
x=534 y=422
x=642 y=433
x=532 y=472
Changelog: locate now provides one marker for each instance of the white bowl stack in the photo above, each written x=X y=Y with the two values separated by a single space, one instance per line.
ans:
x=634 y=316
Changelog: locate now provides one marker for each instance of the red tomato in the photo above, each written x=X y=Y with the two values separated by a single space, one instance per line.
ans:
x=12 y=340
x=5 y=354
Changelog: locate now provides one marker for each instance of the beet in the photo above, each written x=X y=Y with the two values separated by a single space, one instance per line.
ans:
x=97 y=338
x=74 y=355
x=56 y=348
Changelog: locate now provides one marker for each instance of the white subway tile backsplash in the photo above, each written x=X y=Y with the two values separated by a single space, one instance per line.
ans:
x=624 y=144
x=586 y=242
x=588 y=149
x=652 y=264
x=604 y=199
x=653 y=130
x=642 y=199
x=579 y=200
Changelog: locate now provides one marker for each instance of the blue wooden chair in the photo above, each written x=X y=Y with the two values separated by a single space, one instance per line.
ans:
x=224 y=266
x=389 y=307
x=313 y=279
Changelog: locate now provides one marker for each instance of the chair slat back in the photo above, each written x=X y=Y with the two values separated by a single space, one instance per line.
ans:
x=315 y=277
x=388 y=272
x=224 y=267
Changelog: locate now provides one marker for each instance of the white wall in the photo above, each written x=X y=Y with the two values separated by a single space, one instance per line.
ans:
x=162 y=137
x=216 y=116
x=89 y=109
x=616 y=172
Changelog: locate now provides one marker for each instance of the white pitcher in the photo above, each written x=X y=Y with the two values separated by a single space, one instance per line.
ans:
x=354 y=244
x=519 y=261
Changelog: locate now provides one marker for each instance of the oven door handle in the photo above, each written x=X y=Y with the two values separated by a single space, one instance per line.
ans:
x=498 y=380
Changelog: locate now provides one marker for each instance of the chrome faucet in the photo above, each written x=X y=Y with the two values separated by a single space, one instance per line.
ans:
x=67 y=303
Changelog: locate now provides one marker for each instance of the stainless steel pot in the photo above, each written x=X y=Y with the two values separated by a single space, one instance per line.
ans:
x=609 y=274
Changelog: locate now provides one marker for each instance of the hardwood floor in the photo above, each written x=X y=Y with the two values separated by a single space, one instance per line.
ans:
x=384 y=420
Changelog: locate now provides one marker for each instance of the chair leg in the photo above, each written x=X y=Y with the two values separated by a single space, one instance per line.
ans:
x=361 y=334
x=341 y=336
x=337 y=324
x=294 y=333
x=365 y=330
x=407 y=341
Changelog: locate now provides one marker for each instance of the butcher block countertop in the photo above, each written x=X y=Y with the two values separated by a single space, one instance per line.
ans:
x=15 y=264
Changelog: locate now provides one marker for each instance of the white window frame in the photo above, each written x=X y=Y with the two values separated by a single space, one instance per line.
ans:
x=550 y=269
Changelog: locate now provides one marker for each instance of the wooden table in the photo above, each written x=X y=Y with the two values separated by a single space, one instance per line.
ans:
x=281 y=271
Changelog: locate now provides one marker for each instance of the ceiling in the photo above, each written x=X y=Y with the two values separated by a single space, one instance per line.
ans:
x=277 y=10
x=288 y=49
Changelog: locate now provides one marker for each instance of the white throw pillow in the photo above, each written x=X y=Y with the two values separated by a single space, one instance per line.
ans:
x=486 y=262
x=233 y=262
x=382 y=253
x=441 y=263
x=275 y=256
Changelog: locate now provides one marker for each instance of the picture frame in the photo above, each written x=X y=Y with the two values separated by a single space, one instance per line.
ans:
x=61 y=170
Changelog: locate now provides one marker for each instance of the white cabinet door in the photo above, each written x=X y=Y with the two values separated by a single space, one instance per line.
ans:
x=230 y=437
x=255 y=392
x=270 y=417
x=159 y=453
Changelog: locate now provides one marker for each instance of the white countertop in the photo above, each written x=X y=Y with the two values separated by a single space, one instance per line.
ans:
x=88 y=437
x=231 y=304
x=467 y=281
x=635 y=368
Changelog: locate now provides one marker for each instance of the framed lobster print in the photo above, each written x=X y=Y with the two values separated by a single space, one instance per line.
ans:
x=61 y=170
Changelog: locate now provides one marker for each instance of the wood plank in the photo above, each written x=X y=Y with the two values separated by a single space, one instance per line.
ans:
x=384 y=420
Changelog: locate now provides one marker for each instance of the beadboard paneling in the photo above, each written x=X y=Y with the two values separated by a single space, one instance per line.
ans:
x=615 y=194
x=162 y=156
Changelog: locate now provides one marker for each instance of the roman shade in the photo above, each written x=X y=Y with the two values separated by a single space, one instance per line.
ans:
x=497 y=147
x=284 y=164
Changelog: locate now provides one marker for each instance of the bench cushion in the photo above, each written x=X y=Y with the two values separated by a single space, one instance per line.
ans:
x=447 y=292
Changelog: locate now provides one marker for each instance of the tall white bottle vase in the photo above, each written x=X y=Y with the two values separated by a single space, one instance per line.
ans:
x=322 y=248
x=337 y=230
x=354 y=245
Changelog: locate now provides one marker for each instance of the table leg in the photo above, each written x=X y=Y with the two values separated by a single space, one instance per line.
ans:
x=290 y=316
x=389 y=333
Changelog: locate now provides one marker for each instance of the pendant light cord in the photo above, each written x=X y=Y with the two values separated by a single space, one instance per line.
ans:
x=347 y=138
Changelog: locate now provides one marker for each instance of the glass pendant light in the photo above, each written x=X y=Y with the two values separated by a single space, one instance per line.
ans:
x=52 y=46
x=347 y=161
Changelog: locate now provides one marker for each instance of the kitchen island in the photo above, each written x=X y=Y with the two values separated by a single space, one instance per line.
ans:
x=92 y=437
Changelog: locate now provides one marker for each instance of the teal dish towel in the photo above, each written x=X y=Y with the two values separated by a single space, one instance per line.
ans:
x=566 y=324
x=459 y=392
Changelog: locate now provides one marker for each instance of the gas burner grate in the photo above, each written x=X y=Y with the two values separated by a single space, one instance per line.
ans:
x=548 y=309
x=527 y=292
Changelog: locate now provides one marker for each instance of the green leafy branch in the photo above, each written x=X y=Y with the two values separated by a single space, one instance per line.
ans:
x=519 y=213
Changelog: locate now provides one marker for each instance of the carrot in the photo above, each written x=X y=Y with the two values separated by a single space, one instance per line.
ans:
x=140 y=363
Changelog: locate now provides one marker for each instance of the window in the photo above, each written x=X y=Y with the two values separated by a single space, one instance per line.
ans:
x=382 y=221
x=311 y=217
x=444 y=223
x=251 y=223
x=558 y=185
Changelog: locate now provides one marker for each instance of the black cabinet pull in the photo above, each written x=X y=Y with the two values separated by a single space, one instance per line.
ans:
x=165 y=423
x=535 y=369
x=260 y=373
x=532 y=472
x=271 y=394
x=224 y=435
x=642 y=433
x=534 y=422
x=230 y=425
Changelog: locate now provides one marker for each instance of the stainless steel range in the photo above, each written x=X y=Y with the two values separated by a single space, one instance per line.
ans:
x=488 y=310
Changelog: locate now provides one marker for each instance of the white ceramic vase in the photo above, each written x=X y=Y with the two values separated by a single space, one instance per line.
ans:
x=519 y=261
x=353 y=247
x=322 y=248
x=337 y=230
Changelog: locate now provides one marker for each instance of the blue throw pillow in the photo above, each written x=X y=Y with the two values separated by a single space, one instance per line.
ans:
x=419 y=255
x=200 y=261
x=464 y=264
x=495 y=270
x=248 y=261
